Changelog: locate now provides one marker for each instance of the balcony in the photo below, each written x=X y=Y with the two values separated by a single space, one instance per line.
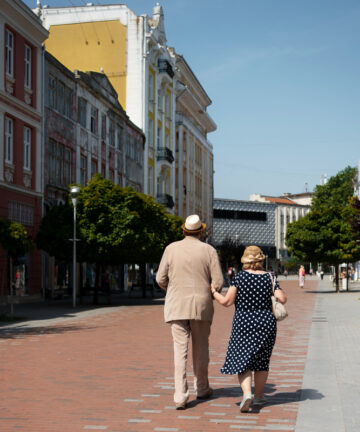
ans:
x=164 y=154
x=165 y=66
x=165 y=200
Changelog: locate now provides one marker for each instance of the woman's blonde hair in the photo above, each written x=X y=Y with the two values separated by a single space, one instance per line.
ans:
x=253 y=265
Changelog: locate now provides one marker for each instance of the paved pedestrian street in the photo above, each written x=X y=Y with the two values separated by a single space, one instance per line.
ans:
x=112 y=370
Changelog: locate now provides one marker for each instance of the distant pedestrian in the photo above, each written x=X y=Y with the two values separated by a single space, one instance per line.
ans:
x=187 y=270
x=254 y=326
x=322 y=274
x=301 y=276
x=285 y=273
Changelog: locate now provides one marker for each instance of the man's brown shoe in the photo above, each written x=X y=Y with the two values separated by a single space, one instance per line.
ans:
x=207 y=395
x=180 y=406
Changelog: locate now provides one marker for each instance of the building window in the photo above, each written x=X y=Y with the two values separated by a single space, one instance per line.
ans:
x=21 y=213
x=151 y=87
x=59 y=164
x=61 y=97
x=9 y=53
x=27 y=148
x=138 y=153
x=52 y=91
x=94 y=120
x=150 y=181
x=27 y=81
x=159 y=138
x=167 y=105
x=82 y=111
x=119 y=138
x=82 y=170
x=103 y=127
x=160 y=100
x=67 y=166
x=132 y=148
x=68 y=102
x=111 y=134
x=9 y=140
x=239 y=214
x=151 y=133
x=93 y=168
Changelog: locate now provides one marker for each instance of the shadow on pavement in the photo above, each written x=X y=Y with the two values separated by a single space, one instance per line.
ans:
x=18 y=332
x=332 y=291
x=273 y=399
x=62 y=308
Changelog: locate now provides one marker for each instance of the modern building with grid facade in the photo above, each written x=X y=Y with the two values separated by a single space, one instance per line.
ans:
x=246 y=222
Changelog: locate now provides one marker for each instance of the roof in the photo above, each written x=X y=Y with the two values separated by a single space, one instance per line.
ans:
x=279 y=200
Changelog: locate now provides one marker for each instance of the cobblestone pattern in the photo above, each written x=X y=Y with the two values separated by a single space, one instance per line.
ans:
x=114 y=372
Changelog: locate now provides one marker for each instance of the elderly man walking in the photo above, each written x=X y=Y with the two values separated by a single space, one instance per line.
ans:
x=187 y=269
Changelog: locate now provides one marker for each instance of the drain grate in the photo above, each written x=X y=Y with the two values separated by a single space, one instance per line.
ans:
x=319 y=319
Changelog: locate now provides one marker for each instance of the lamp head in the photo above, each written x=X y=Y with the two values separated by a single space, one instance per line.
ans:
x=74 y=191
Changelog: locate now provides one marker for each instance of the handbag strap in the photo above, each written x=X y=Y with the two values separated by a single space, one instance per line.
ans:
x=272 y=282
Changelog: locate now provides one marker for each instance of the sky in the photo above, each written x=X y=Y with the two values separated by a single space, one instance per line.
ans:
x=284 y=80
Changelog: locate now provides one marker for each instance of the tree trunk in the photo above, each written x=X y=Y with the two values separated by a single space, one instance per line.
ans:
x=11 y=287
x=96 y=287
x=337 y=277
x=143 y=279
x=121 y=277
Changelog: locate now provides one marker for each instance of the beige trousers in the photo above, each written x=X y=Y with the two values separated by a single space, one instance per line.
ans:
x=200 y=332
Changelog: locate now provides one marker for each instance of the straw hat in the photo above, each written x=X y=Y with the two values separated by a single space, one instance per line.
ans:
x=252 y=254
x=193 y=224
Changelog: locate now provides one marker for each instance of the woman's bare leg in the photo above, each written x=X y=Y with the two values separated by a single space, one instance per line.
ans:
x=245 y=382
x=260 y=378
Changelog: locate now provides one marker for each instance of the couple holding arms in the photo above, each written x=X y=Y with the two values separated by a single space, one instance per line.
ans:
x=191 y=275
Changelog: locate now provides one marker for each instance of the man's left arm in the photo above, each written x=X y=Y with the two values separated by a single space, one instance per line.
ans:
x=217 y=279
x=162 y=277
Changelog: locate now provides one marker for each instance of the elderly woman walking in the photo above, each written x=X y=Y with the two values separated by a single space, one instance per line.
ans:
x=254 y=326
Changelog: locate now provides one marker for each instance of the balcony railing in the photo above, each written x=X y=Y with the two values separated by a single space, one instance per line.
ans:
x=165 y=66
x=164 y=153
x=165 y=200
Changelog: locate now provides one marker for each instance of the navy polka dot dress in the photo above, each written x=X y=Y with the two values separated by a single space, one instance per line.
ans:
x=253 y=331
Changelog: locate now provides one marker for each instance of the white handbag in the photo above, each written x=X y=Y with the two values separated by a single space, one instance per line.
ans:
x=278 y=308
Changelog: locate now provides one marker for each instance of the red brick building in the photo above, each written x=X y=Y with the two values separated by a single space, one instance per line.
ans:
x=21 y=150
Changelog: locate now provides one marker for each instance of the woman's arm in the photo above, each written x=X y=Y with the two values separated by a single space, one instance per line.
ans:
x=226 y=300
x=280 y=296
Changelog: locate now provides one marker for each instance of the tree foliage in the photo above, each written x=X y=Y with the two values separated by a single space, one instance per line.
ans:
x=14 y=238
x=55 y=232
x=325 y=234
x=121 y=225
x=230 y=252
x=114 y=225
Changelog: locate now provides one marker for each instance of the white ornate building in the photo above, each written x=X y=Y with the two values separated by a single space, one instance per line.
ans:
x=153 y=83
x=194 y=153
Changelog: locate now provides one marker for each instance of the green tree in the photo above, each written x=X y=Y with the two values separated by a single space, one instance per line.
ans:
x=325 y=234
x=120 y=225
x=15 y=241
x=230 y=253
x=14 y=238
x=55 y=232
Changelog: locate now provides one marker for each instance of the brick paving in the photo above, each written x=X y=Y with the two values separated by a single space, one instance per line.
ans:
x=114 y=372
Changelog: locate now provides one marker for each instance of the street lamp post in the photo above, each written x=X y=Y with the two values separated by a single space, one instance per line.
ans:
x=74 y=192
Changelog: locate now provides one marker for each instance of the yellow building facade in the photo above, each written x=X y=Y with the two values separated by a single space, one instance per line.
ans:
x=91 y=46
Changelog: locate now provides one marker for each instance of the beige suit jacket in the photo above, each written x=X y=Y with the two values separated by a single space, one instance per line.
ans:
x=187 y=269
